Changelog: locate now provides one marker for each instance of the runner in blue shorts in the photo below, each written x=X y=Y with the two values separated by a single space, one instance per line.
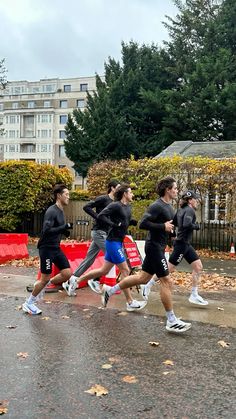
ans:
x=117 y=216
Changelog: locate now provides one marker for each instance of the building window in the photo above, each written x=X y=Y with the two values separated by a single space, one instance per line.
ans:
x=28 y=126
x=80 y=103
x=44 y=133
x=47 y=104
x=15 y=105
x=63 y=103
x=31 y=104
x=62 y=134
x=12 y=148
x=12 y=133
x=84 y=87
x=67 y=88
x=62 y=152
x=1 y=120
x=44 y=161
x=43 y=148
x=216 y=206
x=12 y=119
x=45 y=118
x=63 y=119
x=1 y=106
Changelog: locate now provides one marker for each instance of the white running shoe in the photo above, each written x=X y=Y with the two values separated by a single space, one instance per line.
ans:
x=31 y=308
x=105 y=295
x=135 y=305
x=70 y=287
x=198 y=300
x=145 y=291
x=95 y=286
x=177 y=326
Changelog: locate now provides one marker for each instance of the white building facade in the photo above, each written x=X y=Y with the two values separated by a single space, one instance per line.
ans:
x=33 y=116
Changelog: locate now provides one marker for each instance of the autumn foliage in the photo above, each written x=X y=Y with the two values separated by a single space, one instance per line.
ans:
x=26 y=187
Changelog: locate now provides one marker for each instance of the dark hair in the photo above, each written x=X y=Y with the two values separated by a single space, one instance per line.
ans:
x=119 y=193
x=166 y=183
x=59 y=188
x=112 y=184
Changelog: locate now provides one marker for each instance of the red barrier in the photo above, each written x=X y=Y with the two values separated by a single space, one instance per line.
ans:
x=13 y=246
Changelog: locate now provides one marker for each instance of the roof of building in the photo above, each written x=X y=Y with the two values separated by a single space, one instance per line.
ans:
x=214 y=149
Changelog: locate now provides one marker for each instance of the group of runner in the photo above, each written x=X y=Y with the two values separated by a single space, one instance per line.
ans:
x=112 y=217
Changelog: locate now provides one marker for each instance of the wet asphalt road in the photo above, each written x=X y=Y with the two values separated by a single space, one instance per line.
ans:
x=66 y=355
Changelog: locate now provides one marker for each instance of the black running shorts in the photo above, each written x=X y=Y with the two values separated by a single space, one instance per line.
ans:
x=155 y=261
x=48 y=256
x=183 y=250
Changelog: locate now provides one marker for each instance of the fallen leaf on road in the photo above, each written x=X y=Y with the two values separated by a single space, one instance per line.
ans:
x=168 y=362
x=11 y=327
x=131 y=379
x=3 y=407
x=168 y=372
x=18 y=308
x=65 y=317
x=223 y=344
x=97 y=390
x=85 y=309
x=122 y=313
x=106 y=366
x=220 y=308
x=45 y=318
x=223 y=325
x=154 y=343
x=22 y=355
x=47 y=302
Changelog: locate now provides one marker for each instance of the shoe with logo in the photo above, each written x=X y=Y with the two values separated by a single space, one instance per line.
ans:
x=198 y=300
x=178 y=326
x=105 y=295
x=31 y=308
x=135 y=305
x=70 y=288
x=95 y=286
x=145 y=291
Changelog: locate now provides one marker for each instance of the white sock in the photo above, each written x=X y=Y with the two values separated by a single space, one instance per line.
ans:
x=32 y=299
x=150 y=283
x=72 y=279
x=194 y=291
x=114 y=289
x=171 y=316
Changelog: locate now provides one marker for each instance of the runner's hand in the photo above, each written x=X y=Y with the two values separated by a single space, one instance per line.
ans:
x=169 y=226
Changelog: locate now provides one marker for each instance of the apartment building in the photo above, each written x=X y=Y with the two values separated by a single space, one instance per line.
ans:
x=33 y=116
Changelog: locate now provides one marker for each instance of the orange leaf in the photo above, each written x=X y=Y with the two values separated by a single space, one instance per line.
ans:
x=131 y=379
x=97 y=390
x=22 y=354
x=168 y=362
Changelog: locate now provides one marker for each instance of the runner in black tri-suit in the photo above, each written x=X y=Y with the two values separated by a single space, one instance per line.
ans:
x=186 y=222
x=117 y=216
x=54 y=226
x=158 y=220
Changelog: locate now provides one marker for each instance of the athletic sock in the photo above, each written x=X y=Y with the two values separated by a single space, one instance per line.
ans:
x=150 y=283
x=32 y=299
x=73 y=278
x=194 y=291
x=171 y=316
x=114 y=289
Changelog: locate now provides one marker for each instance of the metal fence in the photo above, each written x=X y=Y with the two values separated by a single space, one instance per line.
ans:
x=213 y=236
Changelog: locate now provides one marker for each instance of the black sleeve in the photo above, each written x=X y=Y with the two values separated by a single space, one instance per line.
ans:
x=107 y=212
x=48 y=224
x=150 y=218
x=189 y=220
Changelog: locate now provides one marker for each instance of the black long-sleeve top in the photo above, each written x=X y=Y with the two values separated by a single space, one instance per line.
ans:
x=186 y=222
x=114 y=214
x=99 y=204
x=53 y=227
x=154 y=221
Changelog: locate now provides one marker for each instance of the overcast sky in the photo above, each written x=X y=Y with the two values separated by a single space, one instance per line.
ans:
x=72 y=38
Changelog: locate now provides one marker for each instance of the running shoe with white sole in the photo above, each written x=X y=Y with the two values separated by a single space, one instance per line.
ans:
x=70 y=288
x=105 y=295
x=198 y=300
x=177 y=326
x=135 y=305
x=145 y=291
x=95 y=286
x=31 y=308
